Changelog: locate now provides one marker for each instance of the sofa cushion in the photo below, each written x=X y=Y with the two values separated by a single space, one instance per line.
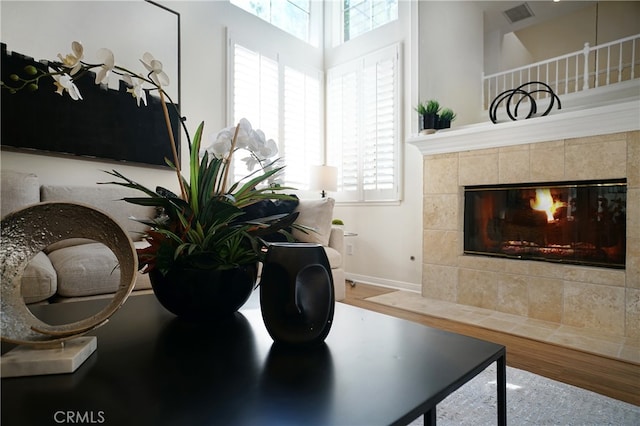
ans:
x=334 y=256
x=39 y=281
x=108 y=198
x=85 y=270
x=90 y=269
x=317 y=215
x=18 y=190
x=67 y=243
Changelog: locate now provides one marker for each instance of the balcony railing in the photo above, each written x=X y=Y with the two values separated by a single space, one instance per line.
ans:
x=591 y=67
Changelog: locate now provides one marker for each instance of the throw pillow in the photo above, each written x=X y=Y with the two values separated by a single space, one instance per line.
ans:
x=18 y=190
x=267 y=208
x=317 y=215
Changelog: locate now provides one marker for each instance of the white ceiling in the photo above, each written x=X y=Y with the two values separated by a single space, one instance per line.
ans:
x=494 y=19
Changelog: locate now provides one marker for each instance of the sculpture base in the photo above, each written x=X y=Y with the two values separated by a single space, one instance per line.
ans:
x=28 y=361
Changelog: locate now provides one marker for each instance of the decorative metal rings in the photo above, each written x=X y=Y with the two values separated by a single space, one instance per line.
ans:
x=524 y=95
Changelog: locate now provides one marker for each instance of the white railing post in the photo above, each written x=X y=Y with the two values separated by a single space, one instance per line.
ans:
x=619 y=62
x=633 y=59
x=585 y=77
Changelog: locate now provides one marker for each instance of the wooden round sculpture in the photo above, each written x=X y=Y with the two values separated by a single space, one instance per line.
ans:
x=27 y=232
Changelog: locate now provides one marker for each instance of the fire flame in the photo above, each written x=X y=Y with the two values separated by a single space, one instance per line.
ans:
x=545 y=202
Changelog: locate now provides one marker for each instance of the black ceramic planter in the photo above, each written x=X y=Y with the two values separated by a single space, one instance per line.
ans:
x=297 y=294
x=429 y=121
x=443 y=123
x=204 y=295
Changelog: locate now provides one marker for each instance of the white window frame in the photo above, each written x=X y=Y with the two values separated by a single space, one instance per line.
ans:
x=315 y=22
x=334 y=142
x=343 y=38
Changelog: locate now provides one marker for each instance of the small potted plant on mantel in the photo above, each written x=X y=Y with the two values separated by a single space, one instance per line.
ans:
x=429 y=115
x=446 y=117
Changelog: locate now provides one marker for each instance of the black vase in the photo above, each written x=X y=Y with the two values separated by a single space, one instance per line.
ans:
x=201 y=294
x=297 y=294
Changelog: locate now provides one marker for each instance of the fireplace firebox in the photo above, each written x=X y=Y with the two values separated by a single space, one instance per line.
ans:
x=580 y=222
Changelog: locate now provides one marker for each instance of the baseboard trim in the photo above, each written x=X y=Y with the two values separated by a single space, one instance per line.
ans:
x=381 y=282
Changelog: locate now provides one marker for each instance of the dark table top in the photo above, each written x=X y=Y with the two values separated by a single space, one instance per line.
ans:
x=152 y=368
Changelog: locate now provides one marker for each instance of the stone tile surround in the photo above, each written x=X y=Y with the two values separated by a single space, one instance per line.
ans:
x=601 y=300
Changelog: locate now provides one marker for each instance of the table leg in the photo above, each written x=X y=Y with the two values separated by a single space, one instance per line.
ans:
x=430 y=417
x=501 y=365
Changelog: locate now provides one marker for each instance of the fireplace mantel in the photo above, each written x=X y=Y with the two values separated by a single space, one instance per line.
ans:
x=620 y=117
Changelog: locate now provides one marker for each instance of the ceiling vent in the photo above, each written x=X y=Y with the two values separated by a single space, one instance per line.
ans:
x=518 y=13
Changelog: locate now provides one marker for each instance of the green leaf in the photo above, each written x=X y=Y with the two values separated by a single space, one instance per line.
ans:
x=195 y=168
x=128 y=183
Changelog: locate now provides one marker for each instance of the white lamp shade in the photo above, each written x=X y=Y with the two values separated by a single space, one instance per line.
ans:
x=324 y=178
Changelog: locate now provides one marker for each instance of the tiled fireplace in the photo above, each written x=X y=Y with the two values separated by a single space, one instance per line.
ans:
x=605 y=300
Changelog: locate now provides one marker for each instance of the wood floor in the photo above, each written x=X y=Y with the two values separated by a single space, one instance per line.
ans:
x=610 y=377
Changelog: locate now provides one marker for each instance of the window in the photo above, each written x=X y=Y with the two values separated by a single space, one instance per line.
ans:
x=360 y=16
x=302 y=146
x=283 y=101
x=292 y=16
x=363 y=126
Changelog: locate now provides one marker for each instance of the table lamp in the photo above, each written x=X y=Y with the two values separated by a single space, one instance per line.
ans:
x=324 y=178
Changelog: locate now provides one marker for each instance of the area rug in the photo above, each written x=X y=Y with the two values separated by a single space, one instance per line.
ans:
x=531 y=400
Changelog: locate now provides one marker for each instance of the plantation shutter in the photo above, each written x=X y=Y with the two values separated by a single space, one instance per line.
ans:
x=343 y=126
x=379 y=156
x=363 y=99
x=302 y=133
x=284 y=102
x=255 y=97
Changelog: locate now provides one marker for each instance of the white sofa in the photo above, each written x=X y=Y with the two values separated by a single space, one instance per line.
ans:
x=79 y=267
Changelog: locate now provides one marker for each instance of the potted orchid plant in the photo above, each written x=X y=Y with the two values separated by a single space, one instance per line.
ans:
x=202 y=255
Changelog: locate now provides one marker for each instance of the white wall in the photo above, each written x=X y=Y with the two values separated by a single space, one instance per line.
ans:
x=451 y=57
x=389 y=235
x=514 y=53
x=596 y=24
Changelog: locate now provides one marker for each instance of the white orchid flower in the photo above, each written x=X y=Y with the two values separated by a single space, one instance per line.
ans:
x=221 y=144
x=257 y=140
x=137 y=90
x=270 y=149
x=108 y=62
x=247 y=138
x=159 y=77
x=250 y=162
x=245 y=134
x=73 y=60
x=65 y=82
